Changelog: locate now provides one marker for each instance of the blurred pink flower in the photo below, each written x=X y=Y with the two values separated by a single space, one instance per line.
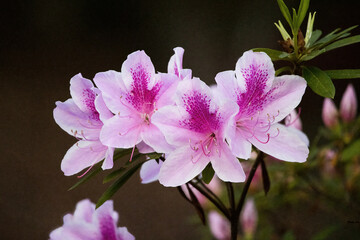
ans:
x=82 y=116
x=348 y=105
x=329 y=113
x=219 y=226
x=89 y=224
x=249 y=217
x=293 y=120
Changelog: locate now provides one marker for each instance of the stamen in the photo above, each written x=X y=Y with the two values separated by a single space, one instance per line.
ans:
x=296 y=118
x=86 y=171
x=278 y=132
x=268 y=138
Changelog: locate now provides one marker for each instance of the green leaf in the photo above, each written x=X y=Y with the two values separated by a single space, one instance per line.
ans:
x=283 y=69
x=208 y=174
x=303 y=8
x=343 y=73
x=275 y=55
x=117 y=185
x=295 y=27
x=121 y=170
x=334 y=35
x=285 y=11
x=324 y=233
x=343 y=42
x=312 y=55
x=319 y=81
x=154 y=155
x=314 y=37
x=351 y=151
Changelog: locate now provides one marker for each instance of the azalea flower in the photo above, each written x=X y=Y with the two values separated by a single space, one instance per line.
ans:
x=195 y=126
x=133 y=96
x=175 y=65
x=89 y=224
x=264 y=100
x=82 y=116
x=150 y=170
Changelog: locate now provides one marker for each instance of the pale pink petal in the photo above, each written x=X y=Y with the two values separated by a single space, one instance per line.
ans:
x=167 y=119
x=238 y=143
x=122 y=233
x=254 y=69
x=103 y=110
x=144 y=148
x=181 y=166
x=176 y=61
x=81 y=155
x=84 y=210
x=138 y=69
x=76 y=231
x=108 y=162
x=293 y=120
x=348 y=104
x=284 y=96
x=106 y=219
x=149 y=171
x=75 y=122
x=227 y=85
x=249 y=217
x=167 y=92
x=153 y=137
x=329 y=113
x=283 y=144
x=300 y=134
x=121 y=132
x=219 y=226
x=81 y=90
x=113 y=91
x=226 y=166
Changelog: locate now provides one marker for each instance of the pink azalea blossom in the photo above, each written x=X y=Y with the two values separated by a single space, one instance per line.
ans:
x=89 y=224
x=348 y=104
x=248 y=218
x=195 y=126
x=219 y=226
x=82 y=116
x=175 y=65
x=329 y=113
x=264 y=100
x=133 y=96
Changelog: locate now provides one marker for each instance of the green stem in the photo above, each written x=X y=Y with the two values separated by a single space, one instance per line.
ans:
x=234 y=219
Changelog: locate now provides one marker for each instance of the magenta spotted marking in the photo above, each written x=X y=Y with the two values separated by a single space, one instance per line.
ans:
x=254 y=98
x=141 y=97
x=89 y=100
x=201 y=119
x=107 y=228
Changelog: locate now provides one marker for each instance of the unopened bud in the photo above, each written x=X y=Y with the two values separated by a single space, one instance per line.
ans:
x=348 y=105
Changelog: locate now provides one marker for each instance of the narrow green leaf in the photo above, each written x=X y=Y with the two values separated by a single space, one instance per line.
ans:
x=294 y=21
x=312 y=55
x=285 y=11
x=117 y=185
x=154 y=155
x=327 y=37
x=275 y=55
x=314 y=37
x=343 y=42
x=208 y=174
x=343 y=73
x=283 y=69
x=121 y=170
x=334 y=35
x=319 y=81
x=303 y=8
x=351 y=151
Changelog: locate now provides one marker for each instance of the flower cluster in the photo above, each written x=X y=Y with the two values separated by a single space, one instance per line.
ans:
x=173 y=113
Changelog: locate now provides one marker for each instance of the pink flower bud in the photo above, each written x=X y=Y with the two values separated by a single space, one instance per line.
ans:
x=248 y=218
x=293 y=120
x=348 y=105
x=219 y=226
x=329 y=113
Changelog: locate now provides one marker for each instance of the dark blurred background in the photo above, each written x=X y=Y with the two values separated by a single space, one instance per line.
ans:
x=44 y=43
